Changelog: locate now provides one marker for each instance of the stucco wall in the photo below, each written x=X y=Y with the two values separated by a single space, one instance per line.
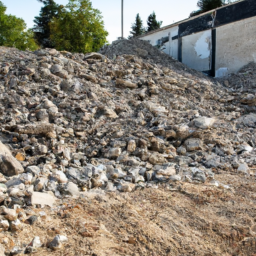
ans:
x=235 y=46
x=196 y=50
x=218 y=42
x=170 y=47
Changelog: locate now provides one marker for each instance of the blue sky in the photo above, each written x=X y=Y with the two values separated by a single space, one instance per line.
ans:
x=168 y=11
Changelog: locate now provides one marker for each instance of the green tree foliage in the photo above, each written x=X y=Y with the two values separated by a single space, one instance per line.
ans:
x=13 y=32
x=153 y=23
x=78 y=28
x=207 y=5
x=137 y=27
x=42 y=22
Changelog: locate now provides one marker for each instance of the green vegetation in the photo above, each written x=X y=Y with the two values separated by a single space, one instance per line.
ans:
x=137 y=27
x=13 y=32
x=153 y=23
x=42 y=22
x=208 y=5
x=78 y=28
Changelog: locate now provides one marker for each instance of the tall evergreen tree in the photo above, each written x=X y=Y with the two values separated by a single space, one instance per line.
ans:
x=137 y=27
x=153 y=23
x=207 y=5
x=42 y=22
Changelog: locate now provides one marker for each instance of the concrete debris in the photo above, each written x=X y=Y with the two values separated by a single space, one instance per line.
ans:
x=42 y=199
x=120 y=120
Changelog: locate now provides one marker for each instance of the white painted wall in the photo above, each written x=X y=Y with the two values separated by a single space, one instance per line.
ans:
x=171 y=47
x=196 y=50
x=235 y=46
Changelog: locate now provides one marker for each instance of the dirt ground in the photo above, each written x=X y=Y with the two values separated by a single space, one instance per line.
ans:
x=175 y=219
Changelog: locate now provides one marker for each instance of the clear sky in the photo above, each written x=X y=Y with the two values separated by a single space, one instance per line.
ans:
x=168 y=11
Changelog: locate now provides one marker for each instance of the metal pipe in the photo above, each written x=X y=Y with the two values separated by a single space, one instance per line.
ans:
x=122 y=19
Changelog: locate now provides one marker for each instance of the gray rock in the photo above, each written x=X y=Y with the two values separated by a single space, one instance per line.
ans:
x=248 y=120
x=35 y=170
x=56 y=68
x=243 y=168
x=57 y=242
x=13 y=182
x=175 y=177
x=193 y=144
x=72 y=189
x=204 y=122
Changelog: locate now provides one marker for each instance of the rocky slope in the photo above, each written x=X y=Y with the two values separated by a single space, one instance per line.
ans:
x=73 y=125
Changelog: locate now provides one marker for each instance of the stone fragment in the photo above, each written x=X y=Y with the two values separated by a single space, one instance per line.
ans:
x=131 y=146
x=248 y=120
x=9 y=166
x=193 y=144
x=40 y=184
x=3 y=187
x=204 y=122
x=72 y=189
x=181 y=150
x=61 y=177
x=127 y=187
x=33 y=245
x=9 y=214
x=166 y=170
x=114 y=152
x=156 y=158
x=2 y=250
x=56 y=68
x=110 y=113
x=175 y=178
x=15 y=225
x=4 y=225
x=20 y=156
x=243 y=168
x=57 y=242
x=31 y=220
x=125 y=84
x=42 y=199
x=94 y=55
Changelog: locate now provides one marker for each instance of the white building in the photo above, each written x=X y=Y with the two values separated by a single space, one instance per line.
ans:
x=218 y=42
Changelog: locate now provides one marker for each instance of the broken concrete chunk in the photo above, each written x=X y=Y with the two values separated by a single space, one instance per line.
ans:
x=125 y=84
x=204 y=122
x=42 y=199
x=193 y=144
x=9 y=165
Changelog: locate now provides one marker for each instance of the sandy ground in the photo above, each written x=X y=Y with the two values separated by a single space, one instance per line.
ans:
x=175 y=219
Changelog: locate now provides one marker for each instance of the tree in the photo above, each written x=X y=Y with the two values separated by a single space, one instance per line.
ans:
x=137 y=27
x=13 y=32
x=153 y=23
x=78 y=28
x=42 y=22
x=207 y=5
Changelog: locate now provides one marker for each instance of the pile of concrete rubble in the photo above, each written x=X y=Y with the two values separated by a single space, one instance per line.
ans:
x=73 y=122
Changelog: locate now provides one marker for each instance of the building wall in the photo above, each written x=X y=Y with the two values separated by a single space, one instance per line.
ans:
x=171 y=46
x=196 y=50
x=218 y=42
x=235 y=46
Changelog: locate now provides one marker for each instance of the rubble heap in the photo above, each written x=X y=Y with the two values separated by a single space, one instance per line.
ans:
x=74 y=122
x=146 y=52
